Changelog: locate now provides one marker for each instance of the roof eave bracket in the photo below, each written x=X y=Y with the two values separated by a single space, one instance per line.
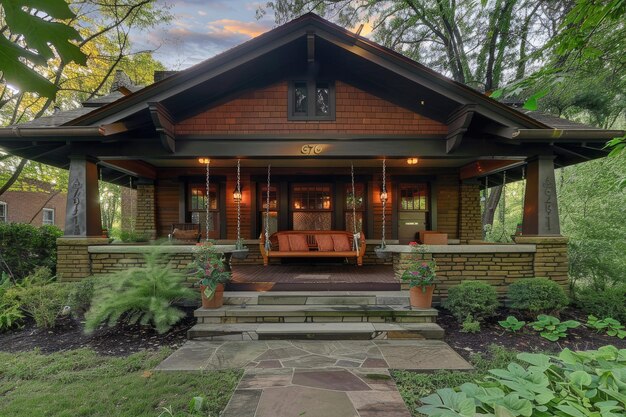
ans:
x=458 y=123
x=164 y=125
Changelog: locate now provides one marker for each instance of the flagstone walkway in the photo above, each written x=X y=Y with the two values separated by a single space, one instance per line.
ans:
x=285 y=378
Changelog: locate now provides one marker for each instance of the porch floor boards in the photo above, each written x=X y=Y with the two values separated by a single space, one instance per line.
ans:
x=309 y=277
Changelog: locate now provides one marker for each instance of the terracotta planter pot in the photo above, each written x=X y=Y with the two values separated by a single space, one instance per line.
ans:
x=422 y=297
x=216 y=301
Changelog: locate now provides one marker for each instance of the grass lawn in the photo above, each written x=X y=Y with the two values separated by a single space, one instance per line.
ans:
x=82 y=383
x=413 y=385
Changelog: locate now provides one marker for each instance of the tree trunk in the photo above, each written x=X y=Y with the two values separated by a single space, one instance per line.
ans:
x=14 y=177
x=491 y=205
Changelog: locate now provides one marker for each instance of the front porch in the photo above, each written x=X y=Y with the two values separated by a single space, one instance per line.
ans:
x=497 y=264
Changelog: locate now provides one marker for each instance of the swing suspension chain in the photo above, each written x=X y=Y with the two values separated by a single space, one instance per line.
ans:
x=238 y=204
x=353 y=200
x=267 y=210
x=382 y=240
x=208 y=198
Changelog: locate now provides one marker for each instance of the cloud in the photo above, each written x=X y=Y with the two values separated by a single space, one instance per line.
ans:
x=236 y=27
x=201 y=12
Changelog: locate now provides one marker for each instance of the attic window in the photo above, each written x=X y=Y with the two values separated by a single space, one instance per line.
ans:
x=311 y=100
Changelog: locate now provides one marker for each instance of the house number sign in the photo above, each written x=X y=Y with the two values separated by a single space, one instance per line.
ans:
x=311 y=149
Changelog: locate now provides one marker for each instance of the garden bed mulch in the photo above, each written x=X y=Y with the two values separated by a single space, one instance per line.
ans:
x=120 y=340
x=525 y=340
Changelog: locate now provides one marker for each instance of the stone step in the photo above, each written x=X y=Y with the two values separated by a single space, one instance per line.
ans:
x=229 y=314
x=317 y=298
x=316 y=331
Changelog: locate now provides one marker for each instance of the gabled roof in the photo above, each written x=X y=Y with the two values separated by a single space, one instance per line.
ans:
x=350 y=44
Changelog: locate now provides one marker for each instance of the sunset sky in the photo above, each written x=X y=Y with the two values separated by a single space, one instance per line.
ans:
x=201 y=29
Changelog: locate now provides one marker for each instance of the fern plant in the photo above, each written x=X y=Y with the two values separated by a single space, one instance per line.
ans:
x=140 y=295
x=10 y=313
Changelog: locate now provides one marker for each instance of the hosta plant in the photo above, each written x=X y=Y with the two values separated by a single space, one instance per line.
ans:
x=512 y=324
x=572 y=384
x=551 y=328
x=611 y=326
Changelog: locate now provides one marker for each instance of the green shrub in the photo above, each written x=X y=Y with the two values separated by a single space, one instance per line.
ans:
x=537 y=296
x=563 y=385
x=24 y=247
x=44 y=303
x=83 y=292
x=143 y=295
x=473 y=298
x=129 y=236
x=10 y=312
x=470 y=325
x=608 y=302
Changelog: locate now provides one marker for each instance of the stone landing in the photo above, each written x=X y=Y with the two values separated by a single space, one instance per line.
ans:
x=421 y=355
x=328 y=315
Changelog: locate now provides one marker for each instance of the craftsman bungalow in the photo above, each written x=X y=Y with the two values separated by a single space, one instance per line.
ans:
x=295 y=127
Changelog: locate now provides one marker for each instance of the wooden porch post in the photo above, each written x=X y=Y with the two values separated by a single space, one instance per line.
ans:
x=541 y=214
x=82 y=213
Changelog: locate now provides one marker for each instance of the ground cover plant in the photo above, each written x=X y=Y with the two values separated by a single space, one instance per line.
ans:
x=413 y=386
x=33 y=384
x=551 y=328
x=570 y=384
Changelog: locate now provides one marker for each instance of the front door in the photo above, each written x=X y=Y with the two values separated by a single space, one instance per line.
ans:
x=412 y=210
x=311 y=206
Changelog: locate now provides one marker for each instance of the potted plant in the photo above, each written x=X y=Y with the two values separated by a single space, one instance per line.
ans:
x=210 y=268
x=420 y=275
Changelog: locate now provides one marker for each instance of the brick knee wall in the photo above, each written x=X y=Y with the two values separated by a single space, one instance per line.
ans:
x=551 y=259
x=497 y=269
x=73 y=260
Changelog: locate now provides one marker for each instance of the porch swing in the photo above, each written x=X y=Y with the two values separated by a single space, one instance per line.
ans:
x=311 y=243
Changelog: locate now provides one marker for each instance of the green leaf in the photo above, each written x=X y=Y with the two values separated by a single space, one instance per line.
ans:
x=580 y=379
x=20 y=75
x=497 y=93
x=517 y=406
x=531 y=103
x=40 y=39
x=539 y=360
x=196 y=404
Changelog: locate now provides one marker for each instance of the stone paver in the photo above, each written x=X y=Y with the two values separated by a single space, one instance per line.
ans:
x=347 y=378
x=394 y=354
